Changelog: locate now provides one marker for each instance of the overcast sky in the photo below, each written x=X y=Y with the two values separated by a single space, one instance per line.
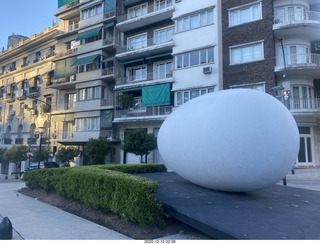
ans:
x=25 y=17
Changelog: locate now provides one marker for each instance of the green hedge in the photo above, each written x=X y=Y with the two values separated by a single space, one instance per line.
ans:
x=134 y=168
x=130 y=196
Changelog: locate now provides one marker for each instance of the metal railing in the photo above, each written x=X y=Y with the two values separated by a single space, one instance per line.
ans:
x=105 y=133
x=107 y=71
x=147 y=112
x=303 y=104
x=107 y=101
x=299 y=59
x=144 y=11
x=66 y=53
x=146 y=77
x=143 y=44
x=296 y=16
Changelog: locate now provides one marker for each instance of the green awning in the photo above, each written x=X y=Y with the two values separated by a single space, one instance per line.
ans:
x=59 y=71
x=88 y=34
x=64 y=2
x=158 y=56
x=91 y=5
x=85 y=60
x=106 y=118
x=67 y=39
x=156 y=95
x=109 y=25
x=133 y=61
x=107 y=60
x=109 y=5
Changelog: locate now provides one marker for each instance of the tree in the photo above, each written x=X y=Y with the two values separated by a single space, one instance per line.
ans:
x=98 y=149
x=125 y=101
x=139 y=142
x=2 y=158
x=16 y=154
x=66 y=154
x=36 y=157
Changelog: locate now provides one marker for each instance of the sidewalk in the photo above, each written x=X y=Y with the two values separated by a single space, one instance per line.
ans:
x=306 y=178
x=34 y=220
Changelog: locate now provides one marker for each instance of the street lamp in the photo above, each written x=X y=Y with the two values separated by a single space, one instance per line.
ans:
x=41 y=133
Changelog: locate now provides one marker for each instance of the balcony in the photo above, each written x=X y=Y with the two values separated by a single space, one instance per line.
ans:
x=19 y=141
x=64 y=83
x=21 y=94
x=154 y=113
x=31 y=141
x=34 y=91
x=67 y=11
x=67 y=53
x=145 y=48
x=67 y=29
x=303 y=106
x=300 y=64
x=7 y=141
x=106 y=102
x=10 y=97
x=147 y=16
x=105 y=133
x=128 y=80
x=297 y=22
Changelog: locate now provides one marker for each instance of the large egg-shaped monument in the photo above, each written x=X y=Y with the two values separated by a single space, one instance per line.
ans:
x=236 y=140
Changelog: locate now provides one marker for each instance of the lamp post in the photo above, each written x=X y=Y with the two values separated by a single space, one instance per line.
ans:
x=41 y=133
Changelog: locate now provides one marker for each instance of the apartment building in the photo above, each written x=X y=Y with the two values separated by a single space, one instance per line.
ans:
x=26 y=71
x=273 y=46
x=85 y=73
x=164 y=61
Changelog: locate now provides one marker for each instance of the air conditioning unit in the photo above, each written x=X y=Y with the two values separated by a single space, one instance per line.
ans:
x=317 y=46
x=207 y=70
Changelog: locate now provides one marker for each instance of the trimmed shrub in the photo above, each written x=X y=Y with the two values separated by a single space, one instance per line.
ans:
x=130 y=196
x=134 y=168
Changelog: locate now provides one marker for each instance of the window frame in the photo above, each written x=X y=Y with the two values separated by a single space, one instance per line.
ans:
x=157 y=74
x=131 y=76
x=242 y=57
x=144 y=43
x=185 y=95
x=237 y=10
x=181 y=59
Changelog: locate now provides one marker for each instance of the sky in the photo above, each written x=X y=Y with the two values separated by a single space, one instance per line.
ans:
x=25 y=17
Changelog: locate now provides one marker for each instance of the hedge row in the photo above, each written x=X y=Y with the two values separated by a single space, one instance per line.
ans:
x=130 y=196
x=134 y=168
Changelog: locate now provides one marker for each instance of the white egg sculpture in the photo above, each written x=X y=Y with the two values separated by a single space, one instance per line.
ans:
x=236 y=140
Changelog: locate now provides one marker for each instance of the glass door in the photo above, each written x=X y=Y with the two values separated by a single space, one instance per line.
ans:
x=305 y=156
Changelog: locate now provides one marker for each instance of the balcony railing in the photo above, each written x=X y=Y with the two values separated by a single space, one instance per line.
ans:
x=296 y=16
x=19 y=141
x=146 y=77
x=107 y=101
x=32 y=140
x=105 y=133
x=7 y=141
x=66 y=53
x=303 y=104
x=144 y=43
x=299 y=59
x=107 y=71
x=147 y=112
x=67 y=29
x=144 y=11
x=34 y=91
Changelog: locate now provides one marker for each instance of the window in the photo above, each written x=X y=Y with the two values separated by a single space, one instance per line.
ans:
x=163 y=35
x=194 y=58
x=162 y=70
x=161 y=4
x=89 y=93
x=21 y=112
x=194 y=21
x=88 y=124
x=245 y=14
x=294 y=54
x=137 y=73
x=70 y=101
x=246 y=53
x=92 y=11
x=137 y=42
x=184 y=96
x=290 y=13
x=137 y=11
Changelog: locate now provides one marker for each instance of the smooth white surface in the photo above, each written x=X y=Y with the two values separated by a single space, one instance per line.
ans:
x=234 y=140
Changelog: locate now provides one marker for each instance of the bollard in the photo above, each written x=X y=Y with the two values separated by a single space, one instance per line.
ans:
x=284 y=181
x=5 y=229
